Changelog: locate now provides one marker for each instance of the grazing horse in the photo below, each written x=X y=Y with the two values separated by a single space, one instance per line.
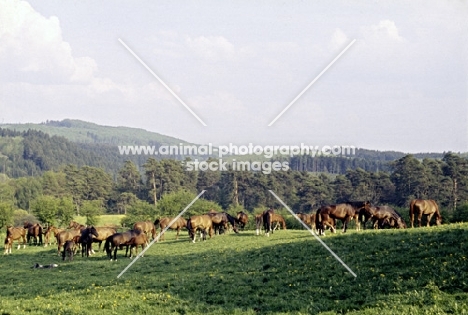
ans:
x=34 y=232
x=86 y=240
x=16 y=233
x=381 y=216
x=179 y=224
x=308 y=219
x=118 y=240
x=419 y=207
x=147 y=227
x=68 y=250
x=222 y=219
x=278 y=219
x=202 y=223
x=137 y=240
x=67 y=235
x=243 y=219
x=343 y=211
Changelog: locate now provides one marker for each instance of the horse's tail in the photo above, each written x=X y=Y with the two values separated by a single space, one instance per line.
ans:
x=318 y=216
x=107 y=245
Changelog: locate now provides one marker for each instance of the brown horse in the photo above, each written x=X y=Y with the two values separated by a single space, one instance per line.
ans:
x=268 y=221
x=16 y=233
x=177 y=225
x=147 y=227
x=381 y=216
x=67 y=235
x=278 y=219
x=202 y=223
x=103 y=234
x=221 y=220
x=75 y=225
x=34 y=232
x=69 y=249
x=137 y=240
x=308 y=219
x=119 y=240
x=419 y=207
x=258 y=223
x=243 y=219
x=51 y=230
x=343 y=211
x=8 y=245
x=322 y=222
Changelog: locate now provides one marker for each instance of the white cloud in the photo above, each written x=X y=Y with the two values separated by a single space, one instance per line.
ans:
x=32 y=48
x=213 y=48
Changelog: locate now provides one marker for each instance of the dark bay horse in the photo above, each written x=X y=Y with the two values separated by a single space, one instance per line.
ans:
x=147 y=227
x=267 y=217
x=243 y=219
x=179 y=224
x=119 y=240
x=382 y=216
x=34 y=232
x=202 y=223
x=343 y=211
x=86 y=240
x=221 y=220
x=419 y=207
x=16 y=233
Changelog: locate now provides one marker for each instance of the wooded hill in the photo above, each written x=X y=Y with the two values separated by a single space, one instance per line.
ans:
x=31 y=149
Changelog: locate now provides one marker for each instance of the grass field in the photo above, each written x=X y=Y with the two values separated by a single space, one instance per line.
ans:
x=413 y=271
x=106 y=219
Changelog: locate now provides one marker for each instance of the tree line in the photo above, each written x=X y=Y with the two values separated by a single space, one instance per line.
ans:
x=163 y=187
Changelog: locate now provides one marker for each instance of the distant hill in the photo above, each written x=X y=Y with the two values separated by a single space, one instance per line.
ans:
x=85 y=132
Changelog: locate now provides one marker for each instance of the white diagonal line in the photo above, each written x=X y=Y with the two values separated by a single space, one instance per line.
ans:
x=162 y=82
x=162 y=232
x=310 y=84
x=315 y=235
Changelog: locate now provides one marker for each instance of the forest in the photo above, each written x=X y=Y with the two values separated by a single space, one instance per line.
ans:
x=52 y=179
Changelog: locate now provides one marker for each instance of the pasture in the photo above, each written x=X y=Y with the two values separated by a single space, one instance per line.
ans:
x=413 y=271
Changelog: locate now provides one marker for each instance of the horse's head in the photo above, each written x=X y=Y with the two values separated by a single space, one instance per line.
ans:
x=439 y=220
x=93 y=231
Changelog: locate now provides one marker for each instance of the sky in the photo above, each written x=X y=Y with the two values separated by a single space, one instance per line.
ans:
x=401 y=86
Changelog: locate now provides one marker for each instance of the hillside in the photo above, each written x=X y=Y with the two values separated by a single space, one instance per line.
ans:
x=87 y=132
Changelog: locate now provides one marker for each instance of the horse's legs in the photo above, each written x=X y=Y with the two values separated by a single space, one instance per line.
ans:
x=412 y=218
x=177 y=235
x=115 y=252
x=419 y=218
x=429 y=217
x=345 y=224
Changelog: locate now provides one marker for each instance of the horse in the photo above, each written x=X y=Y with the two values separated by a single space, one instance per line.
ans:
x=322 y=222
x=103 y=234
x=267 y=217
x=381 y=216
x=137 y=240
x=147 y=227
x=278 y=219
x=118 y=240
x=343 y=211
x=34 y=232
x=16 y=233
x=75 y=225
x=47 y=233
x=86 y=240
x=68 y=250
x=8 y=245
x=258 y=223
x=64 y=236
x=243 y=219
x=419 y=207
x=308 y=219
x=202 y=223
x=177 y=225
x=222 y=219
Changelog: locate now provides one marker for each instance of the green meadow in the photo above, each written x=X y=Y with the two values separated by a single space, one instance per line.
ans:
x=413 y=271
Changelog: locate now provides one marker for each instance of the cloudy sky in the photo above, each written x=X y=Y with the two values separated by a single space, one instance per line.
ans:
x=401 y=86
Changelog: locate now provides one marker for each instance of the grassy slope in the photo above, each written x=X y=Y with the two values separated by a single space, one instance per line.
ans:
x=81 y=131
x=416 y=271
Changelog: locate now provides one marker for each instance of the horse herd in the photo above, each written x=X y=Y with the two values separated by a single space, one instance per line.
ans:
x=80 y=236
